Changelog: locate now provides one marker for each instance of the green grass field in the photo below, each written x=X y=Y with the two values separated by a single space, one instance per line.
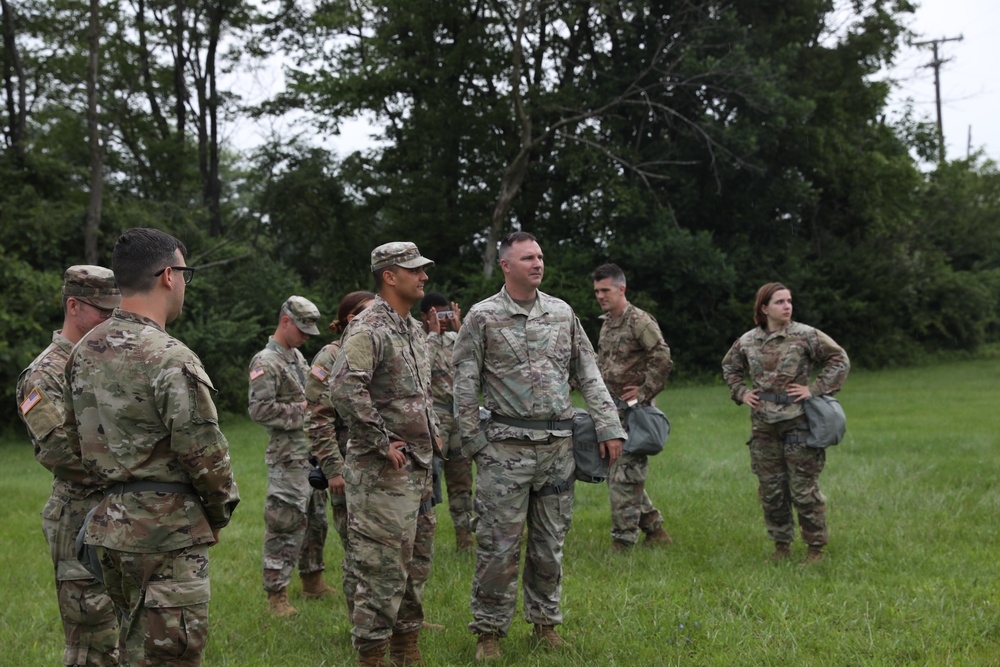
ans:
x=911 y=574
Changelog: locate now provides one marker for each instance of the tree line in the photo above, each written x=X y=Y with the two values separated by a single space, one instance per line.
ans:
x=707 y=147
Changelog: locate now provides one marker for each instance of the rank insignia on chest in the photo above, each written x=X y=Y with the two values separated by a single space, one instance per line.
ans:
x=256 y=373
x=319 y=373
x=32 y=399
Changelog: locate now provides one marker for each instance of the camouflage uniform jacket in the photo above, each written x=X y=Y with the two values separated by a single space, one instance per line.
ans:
x=382 y=385
x=277 y=394
x=327 y=431
x=40 y=401
x=631 y=352
x=440 y=347
x=782 y=358
x=524 y=362
x=140 y=404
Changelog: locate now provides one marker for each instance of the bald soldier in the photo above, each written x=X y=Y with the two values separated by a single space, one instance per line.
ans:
x=295 y=523
x=90 y=627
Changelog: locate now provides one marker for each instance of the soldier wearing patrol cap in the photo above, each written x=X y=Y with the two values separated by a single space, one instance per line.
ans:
x=382 y=389
x=295 y=523
x=90 y=627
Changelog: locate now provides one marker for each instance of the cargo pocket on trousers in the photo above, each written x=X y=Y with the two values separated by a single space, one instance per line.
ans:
x=177 y=619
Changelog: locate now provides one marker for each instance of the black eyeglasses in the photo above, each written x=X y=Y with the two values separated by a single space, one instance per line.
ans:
x=105 y=312
x=188 y=272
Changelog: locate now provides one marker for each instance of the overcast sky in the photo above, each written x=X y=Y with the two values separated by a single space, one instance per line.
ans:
x=970 y=83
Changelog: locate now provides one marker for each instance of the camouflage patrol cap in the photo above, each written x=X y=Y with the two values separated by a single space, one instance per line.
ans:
x=94 y=285
x=303 y=312
x=398 y=253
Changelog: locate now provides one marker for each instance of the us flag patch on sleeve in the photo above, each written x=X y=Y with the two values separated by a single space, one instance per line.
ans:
x=256 y=373
x=319 y=373
x=30 y=401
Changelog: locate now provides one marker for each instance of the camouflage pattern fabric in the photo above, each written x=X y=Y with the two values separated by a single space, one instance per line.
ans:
x=631 y=352
x=773 y=361
x=276 y=398
x=328 y=437
x=139 y=402
x=295 y=523
x=457 y=468
x=457 y=471
x=165 y=597
x=382 y=389
x=524 y=362
x=788 y=474
x=90 y=627
x=512 y=478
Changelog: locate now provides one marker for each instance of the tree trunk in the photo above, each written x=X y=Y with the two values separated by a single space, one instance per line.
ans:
x=17 y=106
x=94 y=139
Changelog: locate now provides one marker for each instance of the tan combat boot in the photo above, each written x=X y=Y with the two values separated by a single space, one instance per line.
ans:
x=463 y=540
x=404 y=649
x=813 y=555
x=313 y=586
x=277 y=602
x=487 y=648
x=782 y=551
x=373 y=657
x=547 y=636
x=657 y=537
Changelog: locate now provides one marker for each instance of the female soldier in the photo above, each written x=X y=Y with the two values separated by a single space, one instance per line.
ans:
x=778 y=356
x=327 y=431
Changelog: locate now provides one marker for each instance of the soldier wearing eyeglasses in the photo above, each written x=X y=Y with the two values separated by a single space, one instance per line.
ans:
x=90 y=628
x=139 y=409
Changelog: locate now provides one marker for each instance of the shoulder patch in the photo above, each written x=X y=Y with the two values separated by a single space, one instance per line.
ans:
x=319 y=373
x=30 y=401
x=256 y=373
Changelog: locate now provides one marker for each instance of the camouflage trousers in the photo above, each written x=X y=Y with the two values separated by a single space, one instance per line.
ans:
x=90 y=626
x=518 y=481
x=457 y=473
x=295 y=524
x=788 y=475
x=163 y=601
x=348 y=577
x=631 y=508
x=391 y=542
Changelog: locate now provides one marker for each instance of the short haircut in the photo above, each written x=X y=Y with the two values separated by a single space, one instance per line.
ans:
x=378 y=276
x=349 y=305
x=511 y=239
x=433 y=300
x=764 y=295
x=139 y=253
x=612 y=271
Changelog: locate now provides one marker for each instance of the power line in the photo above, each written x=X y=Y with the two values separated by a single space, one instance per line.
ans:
x=936 y=64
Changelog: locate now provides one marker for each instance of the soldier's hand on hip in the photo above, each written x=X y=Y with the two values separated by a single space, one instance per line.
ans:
x=612 y=449
x=396 y=454
x=750 y=398
x=799 y=392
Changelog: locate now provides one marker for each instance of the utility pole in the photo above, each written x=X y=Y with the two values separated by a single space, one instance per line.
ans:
x=936 y=64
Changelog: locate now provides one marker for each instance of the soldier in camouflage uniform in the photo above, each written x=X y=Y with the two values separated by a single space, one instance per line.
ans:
x=635 y=362
x=522 y=348
x=457 y=468
x=139 y=406
x=328 y=433
x=778 y=355
x=382 y=389
x=90 y=626
x=295 y=523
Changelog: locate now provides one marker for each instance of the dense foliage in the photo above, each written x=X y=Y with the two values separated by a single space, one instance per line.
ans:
x=705 y=146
